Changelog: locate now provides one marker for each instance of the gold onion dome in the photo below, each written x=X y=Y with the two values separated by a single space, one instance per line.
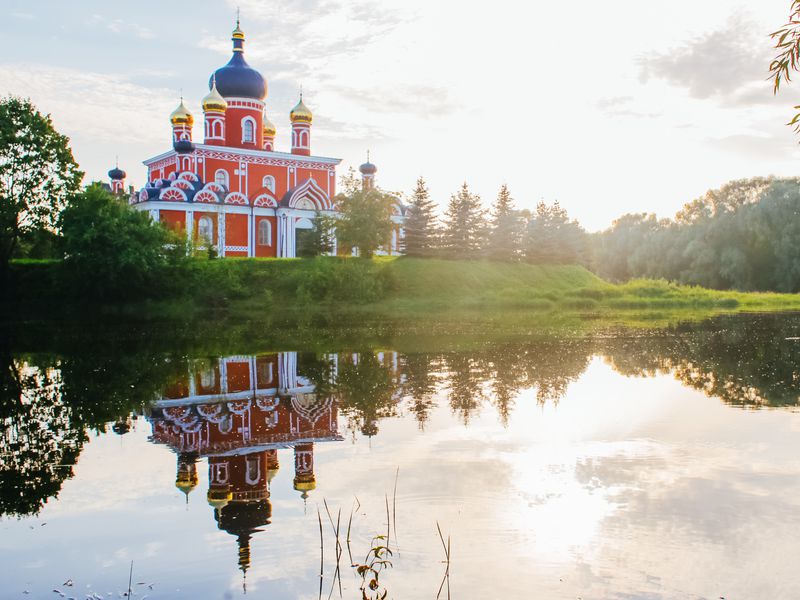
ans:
x=181 y=115
x=219 y=499
x=185 y=486
x=269 y=127
x=214 y=102
x=300 y=113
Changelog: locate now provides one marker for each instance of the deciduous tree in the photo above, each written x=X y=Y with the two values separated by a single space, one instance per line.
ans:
x=37 y=174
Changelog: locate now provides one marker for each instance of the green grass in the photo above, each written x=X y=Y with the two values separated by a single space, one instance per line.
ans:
x=409 y=292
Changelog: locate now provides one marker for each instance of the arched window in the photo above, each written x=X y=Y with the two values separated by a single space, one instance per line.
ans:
x=248 y=131
x=269 y=183
x=205 y=230
x=253 y=464
x=221 y=178
x=264 y=233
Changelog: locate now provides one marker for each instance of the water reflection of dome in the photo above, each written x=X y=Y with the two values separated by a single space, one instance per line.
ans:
x=219 y=498
x=186 y=477
x=243 y=519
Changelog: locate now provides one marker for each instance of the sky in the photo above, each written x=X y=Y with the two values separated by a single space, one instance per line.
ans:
x=608 y=107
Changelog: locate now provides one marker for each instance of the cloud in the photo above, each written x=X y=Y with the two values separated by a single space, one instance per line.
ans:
x=120 y=26
x=728 y=64
x=420 y=100
x=623 y=106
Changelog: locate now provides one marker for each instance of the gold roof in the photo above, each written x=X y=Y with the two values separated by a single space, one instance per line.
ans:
x=219 y=498
x=181 y=115
x=269 y=127
x=186 y=484
x=300 y=113
x=214 y=102
x=305 y=486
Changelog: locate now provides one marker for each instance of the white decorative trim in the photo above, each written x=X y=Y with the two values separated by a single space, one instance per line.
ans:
x=265 y=200
x=166 y=194
x=236 y=198
x=280 y=159
x=310 y=190
x=206 y=196
x=235 y=248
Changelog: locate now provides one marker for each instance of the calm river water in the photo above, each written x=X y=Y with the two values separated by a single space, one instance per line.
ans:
x=659 y=464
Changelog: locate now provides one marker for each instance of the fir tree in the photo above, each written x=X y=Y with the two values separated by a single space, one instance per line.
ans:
x=421 y=228
x=552 y=238
x=319 y=239
x=463 y=236
x=505 y=229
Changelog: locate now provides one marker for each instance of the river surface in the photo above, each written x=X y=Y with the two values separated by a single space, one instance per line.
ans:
x=652 y=464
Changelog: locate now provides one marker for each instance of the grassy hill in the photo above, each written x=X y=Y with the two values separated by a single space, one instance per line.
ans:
x=401 y=288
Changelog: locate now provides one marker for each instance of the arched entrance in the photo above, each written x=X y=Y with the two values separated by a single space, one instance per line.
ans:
x=303 y=233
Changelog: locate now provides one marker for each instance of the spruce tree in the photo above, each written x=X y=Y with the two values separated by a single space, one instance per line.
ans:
x=505 y=229
x=552 y=238
x=421 y=228
x=463 y=236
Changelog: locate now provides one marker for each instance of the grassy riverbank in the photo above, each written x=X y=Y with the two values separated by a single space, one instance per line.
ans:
x=399 y=289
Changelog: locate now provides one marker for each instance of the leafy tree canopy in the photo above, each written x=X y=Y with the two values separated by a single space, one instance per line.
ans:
x=37 y=173
x=112 y=251
x=365 y=217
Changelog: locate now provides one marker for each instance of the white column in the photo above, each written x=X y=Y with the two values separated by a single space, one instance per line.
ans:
x=250 y=245
x=221 y=232
x=190 y=224
x=155 y=214
x=279 y=221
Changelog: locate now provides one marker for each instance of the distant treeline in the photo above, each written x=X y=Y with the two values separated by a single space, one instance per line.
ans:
x=745 y=236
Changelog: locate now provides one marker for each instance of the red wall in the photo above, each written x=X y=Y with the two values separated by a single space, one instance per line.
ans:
x=266 y=250
x=174 y=219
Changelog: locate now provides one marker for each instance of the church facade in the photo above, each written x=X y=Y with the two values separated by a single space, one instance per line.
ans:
x=235 y=192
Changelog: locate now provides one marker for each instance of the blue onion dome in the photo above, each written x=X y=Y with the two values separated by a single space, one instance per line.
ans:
x=116 y=174
x=368 y=168
x=181 y=115
x=300 y=113
x=237 y=79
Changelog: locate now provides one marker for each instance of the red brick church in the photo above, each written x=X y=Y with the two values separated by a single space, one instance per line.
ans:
x=235 y=191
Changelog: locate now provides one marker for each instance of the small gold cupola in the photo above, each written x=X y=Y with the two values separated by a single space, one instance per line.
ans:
x=300 y=113
x=269 y=127
x=181 y=115
x=214 y=102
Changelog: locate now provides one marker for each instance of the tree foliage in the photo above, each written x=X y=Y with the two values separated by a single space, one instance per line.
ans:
x=421 y=227
x=112 y=251
x=37 y=174
x=745 y=235
x=365 y=218
x=504 y=241
x=552 y=238
x=787 y=43
x=464 y=225
x=321 y=237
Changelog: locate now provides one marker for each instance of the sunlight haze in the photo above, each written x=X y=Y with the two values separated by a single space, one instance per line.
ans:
x=609 y=108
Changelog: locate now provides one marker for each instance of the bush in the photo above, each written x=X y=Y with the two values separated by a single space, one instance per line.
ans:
x=113 y=252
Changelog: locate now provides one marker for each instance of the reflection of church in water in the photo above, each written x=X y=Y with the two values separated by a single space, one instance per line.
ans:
x=237 y=412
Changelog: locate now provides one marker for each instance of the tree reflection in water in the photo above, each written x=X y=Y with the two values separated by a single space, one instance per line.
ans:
x=50 y=403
